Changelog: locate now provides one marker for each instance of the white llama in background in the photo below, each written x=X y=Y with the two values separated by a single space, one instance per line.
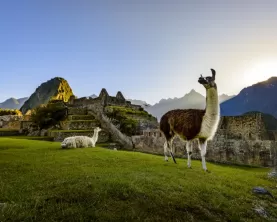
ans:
x=81 y=141
x=190 y=124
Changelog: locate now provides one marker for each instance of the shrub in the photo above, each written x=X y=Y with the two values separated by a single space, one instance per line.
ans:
x=4 y=112
x=49 y=115
x=129 y=126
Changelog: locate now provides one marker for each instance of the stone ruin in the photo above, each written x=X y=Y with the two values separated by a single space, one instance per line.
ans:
x=105 y=99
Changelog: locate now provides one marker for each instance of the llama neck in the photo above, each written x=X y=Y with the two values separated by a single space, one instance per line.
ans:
x=212 y=104
x=95 y=136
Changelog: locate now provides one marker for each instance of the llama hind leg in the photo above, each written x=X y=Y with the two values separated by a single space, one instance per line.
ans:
x=165 y=151
x=189 y=152
x=168 y=149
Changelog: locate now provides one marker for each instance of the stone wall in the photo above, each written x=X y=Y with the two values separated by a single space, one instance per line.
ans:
x=84 y=101
x=249 y=127
x=144 y=124
x=77 y=110
x=79 y=124
x=10 y=121
x=25 y=124
x=246 y=152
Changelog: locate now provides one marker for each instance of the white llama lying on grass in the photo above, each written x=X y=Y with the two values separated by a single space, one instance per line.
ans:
x=81 y=141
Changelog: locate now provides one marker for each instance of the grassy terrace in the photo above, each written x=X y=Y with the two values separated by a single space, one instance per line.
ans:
x=41 y=182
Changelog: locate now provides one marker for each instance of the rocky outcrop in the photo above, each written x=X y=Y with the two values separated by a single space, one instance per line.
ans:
x=54 y=89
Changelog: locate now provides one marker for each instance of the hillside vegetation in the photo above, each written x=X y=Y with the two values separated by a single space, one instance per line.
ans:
x=4 y=112
x=49 y=115
x=41 y=182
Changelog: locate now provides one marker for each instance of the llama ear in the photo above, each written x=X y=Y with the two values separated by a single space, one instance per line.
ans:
x=213 y=73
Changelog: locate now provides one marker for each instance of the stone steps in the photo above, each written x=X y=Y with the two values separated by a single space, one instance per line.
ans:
x=60 y=135
x=77 y=111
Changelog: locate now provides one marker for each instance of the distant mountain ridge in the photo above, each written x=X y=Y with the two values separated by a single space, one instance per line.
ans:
x=260 y=97
x=13 y=103
x=191 y=100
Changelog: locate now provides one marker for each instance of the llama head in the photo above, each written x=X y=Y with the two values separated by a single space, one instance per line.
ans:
x=209 y=81
x=64 y=143
x=97 y=129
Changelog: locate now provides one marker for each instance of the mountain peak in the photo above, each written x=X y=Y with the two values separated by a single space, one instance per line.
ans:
x=193 y=93
x=13 y=103
x=93 y=96
x=55 y=88
x=258 y=97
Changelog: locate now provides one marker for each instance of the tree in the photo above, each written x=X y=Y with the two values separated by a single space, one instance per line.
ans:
x=49 y=115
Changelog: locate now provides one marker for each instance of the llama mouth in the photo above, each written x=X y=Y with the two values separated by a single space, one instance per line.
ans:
x=202 y=81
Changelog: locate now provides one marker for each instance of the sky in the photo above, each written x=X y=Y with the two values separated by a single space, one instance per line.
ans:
x=147 y=49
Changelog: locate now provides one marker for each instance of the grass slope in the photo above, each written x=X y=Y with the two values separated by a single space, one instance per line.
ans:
x=41 y=182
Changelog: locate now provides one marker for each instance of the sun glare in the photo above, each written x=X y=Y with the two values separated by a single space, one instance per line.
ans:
x=260 y=71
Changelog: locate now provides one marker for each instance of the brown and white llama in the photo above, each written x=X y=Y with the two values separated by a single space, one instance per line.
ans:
x=193 y=124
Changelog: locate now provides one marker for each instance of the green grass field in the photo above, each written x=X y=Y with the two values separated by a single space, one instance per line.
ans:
x=41 y=182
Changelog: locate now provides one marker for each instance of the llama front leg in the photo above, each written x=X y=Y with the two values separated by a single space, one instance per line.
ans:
x=172 y=151
x=165 y=151
x=203 y=150
x=189 y=152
